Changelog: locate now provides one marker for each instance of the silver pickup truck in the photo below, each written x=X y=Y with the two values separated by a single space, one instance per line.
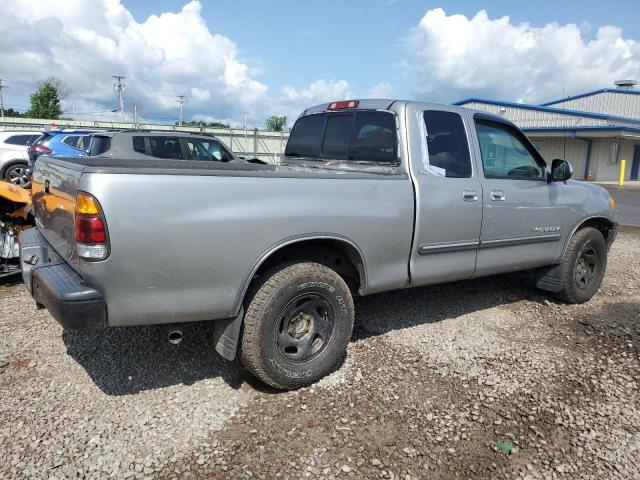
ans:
x=371 y=195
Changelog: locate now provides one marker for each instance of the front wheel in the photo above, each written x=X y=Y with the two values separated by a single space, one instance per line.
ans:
x=584 y=264
x=297 y=325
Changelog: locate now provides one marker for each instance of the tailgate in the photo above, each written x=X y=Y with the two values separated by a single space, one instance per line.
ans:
x=54 y=187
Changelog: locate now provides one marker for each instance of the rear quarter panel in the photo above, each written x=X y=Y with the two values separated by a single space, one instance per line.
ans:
x=182 y=246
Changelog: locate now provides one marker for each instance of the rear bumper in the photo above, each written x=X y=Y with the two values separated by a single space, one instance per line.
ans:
x=54 y=285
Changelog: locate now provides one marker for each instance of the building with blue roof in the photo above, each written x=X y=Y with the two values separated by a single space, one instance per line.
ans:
x=593 y=130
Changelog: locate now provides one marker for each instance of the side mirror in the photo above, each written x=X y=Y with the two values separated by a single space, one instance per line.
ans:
x=561 y=170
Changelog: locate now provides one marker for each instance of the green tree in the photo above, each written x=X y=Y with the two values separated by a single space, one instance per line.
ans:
x=45 y=102
x=276 y=123
x=200 y=123
x=10 y=112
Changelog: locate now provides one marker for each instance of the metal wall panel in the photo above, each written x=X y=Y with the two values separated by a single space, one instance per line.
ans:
x=611 y=103
x=530 y=118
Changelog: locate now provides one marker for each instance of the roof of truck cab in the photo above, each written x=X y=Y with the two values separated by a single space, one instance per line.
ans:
x=378 y=104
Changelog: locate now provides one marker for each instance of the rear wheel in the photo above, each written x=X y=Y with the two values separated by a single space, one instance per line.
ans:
x=584 y=264
x=17 y=174
x=297 y=325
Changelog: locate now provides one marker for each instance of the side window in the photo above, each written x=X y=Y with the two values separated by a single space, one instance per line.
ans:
x=504 y=155
x=305 y=139
x=83 y=142
x=209 y=150
x=336 y=135
x=447 y=144
x=72 y=141
x=18 y=140
x=165 y=147
x=374 y=138
x=138 y=145
x=100 y=145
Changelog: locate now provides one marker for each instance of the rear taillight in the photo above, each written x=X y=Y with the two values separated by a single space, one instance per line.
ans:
x=92 y=240
x=40 y=150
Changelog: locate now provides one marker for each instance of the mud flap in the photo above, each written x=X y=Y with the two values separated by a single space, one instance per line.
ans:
x=550 y=278
x=226 y=334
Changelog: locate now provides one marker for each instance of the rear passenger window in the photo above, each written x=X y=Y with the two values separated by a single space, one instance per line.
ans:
x=166 y=147
x=18 y=140
x=138 y=145
x=447 y=144
x=208 y=150
x=74 y=141
x=99 y=145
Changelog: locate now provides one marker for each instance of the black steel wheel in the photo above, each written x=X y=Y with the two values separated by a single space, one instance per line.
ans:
x=306 y=326
x=583 y=266
x=586 y=268
x=297 y=325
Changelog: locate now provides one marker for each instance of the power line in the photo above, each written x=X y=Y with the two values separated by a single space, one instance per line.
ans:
x=118 y=87
x=181 y=100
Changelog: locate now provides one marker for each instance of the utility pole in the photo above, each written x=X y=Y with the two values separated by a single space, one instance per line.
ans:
x=135 y=115
x=1 y=98
x=118 y=87
x=181 y=100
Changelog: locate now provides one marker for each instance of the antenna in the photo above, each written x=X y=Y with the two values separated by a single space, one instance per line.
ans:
x=181 y=100
x=118 y=88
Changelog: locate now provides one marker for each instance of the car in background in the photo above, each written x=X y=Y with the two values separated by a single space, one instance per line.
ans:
x=169 y=145
x=65 y=143
x=14 y=157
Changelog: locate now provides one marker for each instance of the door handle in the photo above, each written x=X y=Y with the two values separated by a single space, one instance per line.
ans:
x=497 y=196
x=470 y=196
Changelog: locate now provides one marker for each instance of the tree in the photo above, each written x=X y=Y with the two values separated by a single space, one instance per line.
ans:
x=10 y=112
x=45 y=102
x=276 y=123
x=59 y=85
x=200 y=123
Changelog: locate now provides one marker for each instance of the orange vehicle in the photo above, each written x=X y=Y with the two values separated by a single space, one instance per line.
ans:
x=15 y=216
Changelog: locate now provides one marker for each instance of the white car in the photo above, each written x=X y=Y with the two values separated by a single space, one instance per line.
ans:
x=14 y=157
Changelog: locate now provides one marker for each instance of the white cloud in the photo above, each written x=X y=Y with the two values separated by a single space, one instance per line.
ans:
x=456 y=56
x=319 y=91
x=84 y=43
x=294 y=100
x=381 y=90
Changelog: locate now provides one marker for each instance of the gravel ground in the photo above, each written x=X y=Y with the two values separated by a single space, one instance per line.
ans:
x=479 y=379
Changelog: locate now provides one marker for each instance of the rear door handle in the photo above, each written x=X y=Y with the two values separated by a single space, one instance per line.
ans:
x=497 y=196
x=470 y=196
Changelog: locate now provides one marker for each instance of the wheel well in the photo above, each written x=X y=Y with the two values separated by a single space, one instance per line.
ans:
x=11 y=163
x=604 y=225
x=339 y=256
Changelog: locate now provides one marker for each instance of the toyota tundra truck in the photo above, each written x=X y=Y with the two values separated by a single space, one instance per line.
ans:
x=370 y=195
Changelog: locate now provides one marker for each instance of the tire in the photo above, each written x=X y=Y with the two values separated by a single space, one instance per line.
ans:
x=583 y=266
x=297 y=325
x=17 y=174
